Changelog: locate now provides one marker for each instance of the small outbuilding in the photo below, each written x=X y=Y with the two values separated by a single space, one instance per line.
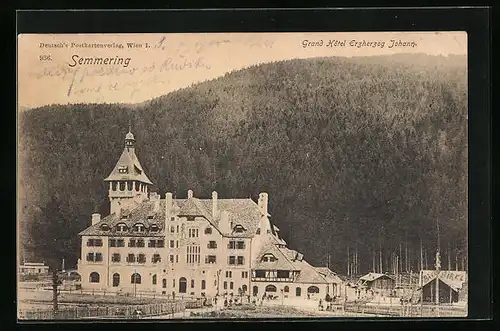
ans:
x=451 y=285
x=376 y=282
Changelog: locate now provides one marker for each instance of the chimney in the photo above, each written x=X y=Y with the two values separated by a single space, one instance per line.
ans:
x=190 y=194
x=263 y=197
x=224 y=221
x=96 y=218
x=168 y=205
x=214 y=204
x=155 y=198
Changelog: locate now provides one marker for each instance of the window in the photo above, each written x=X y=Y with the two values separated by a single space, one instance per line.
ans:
x=154 y=228
x=94 y=277
x=203 y=284
x=122 y=227
x=283 y=274
x=192 y=283
x=131 y=258
x=286 y=289
x=212 y=244
x=94 y=243
x=210 y=259
x=115 y=257
x=225 y=285
x=240 y=245
x=177 y=259
x=177 y=243
x=312 y=289
x=135 y=279
x=208 y=230
x=131 y=243
x=120 y=243
x=193 y=254
x=260 y=273
x=90 y=257
x=258 y=231
x=104 y=227
x=177 y=229
x=122 y=170
x=244 y=274
x=232 y=260
x=193 y=233
x=244 y=288
x=152 y=243
x=298 y=291
x=140 y=242
x=160 y=243
x=112 y=242
x=156 y=258
x=173 y=282
x=270 y=288
x=240 y=260
x=229 y=274
x=231 y=245
x=139 y=227
x=172 y=244
x=154 y=280
x=164 y=283
x=231 y=285
x=116 y=279
x=269 y=258
x=172 y=229
x=238 y=229
x=171 y=259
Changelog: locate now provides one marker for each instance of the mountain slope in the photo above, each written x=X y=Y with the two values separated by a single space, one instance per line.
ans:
x=349 y=149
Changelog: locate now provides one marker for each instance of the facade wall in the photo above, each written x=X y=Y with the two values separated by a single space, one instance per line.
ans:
x=292 y=289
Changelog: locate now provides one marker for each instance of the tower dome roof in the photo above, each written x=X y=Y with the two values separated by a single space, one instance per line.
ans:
x=129 y=135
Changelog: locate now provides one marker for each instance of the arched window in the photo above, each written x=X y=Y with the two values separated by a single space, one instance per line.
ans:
x=154 y=279
x=113 y=186
x=94 y=277
x=270 y=288
x=139 y=227
x=231 y=285
x=182 y=285
x=122 y=186
x=116 y=280
x=105 y=227
x=286 y=289
x=121 y=227
x=255 y=290
x=244 y=288
x=154 y=228
x=312 y=289
x=164 y=283
x=298 y=291
x=135 y=279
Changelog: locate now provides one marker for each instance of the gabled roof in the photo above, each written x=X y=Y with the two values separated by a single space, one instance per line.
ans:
x=244 y=212
x=135 y=172
x=370 y=277
x=454 y=279
x=282 y=262
x=328 y=274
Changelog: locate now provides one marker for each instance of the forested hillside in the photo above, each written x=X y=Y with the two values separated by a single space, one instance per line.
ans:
x=350 y=150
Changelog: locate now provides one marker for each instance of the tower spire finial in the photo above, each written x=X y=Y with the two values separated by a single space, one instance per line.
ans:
x=130 y=125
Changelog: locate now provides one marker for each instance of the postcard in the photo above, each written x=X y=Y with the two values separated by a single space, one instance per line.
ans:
x=242 y=175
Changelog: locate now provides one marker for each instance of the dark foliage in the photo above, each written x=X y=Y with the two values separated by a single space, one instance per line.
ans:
x=362 y=150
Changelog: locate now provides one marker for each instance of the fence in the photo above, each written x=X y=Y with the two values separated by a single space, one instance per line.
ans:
x=104 y=312
x=407 y=310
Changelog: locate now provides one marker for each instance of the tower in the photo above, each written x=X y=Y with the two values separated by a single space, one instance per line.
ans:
x=128 y=184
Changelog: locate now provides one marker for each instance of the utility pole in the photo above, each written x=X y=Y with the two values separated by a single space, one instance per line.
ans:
x=373 y=259
x=348 y=261
x=438 y=261
x=421 y=255
x=449 y=257
x=55 y=284
x=406 y=252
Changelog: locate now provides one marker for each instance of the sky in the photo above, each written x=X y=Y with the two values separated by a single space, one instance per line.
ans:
x=167 y=62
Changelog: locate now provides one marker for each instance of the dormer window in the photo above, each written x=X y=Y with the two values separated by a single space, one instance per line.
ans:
x=123 y=169
x=269 y=258
x=154 y=228
x=139 y=227
x=238 y=228
x=150 y=217
x=122 y=227
x=104 y=227
x=258 y=231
